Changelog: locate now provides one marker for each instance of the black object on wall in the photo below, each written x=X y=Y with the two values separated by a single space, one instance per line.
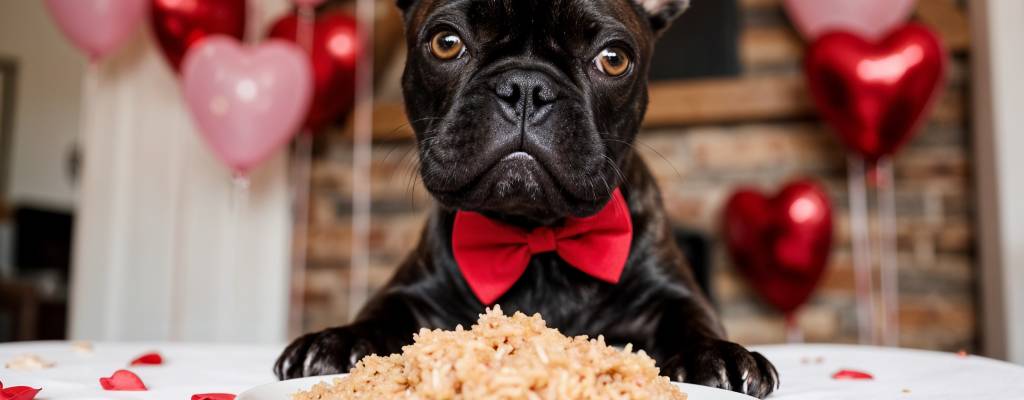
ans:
x=702 y=43
x=42 y=240
x=696 y=248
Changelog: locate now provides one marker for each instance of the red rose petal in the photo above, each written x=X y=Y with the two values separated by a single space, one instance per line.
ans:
x=852 y=375
x=123 y=380
x=153 y=358
x=213 y=396
x=18 y=393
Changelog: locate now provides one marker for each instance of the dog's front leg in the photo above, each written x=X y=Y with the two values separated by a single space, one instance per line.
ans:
x=383 y=328
x=694 y=351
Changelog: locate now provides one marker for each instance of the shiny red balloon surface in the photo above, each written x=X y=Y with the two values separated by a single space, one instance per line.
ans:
x=178 y=24
x=335 y=52
x=780 y=244
x=875 y=94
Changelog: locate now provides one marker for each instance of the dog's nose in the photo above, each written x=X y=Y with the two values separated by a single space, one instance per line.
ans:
x=525 y=94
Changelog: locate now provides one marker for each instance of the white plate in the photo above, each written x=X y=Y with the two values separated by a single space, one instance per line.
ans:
x=285 y=390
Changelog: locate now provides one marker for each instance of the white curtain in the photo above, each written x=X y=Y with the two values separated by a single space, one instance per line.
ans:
x=165 y=247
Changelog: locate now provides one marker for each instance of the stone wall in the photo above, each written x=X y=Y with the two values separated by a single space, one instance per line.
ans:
x=698 y=166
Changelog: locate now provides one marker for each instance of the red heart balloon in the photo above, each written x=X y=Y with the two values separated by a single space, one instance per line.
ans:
x=874 y=95
x=178 y=24
x=335 y=52
x=781 y=244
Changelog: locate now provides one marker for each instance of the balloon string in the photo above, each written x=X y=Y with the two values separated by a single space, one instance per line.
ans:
x=860 y=249
x=179 y=170
x=794 y=334
x=254 y=16
x=887 y=251
x=229 y=269
x=302 y=165
x=87 y=118
x=305 y=29
x=124 y=151
x=362 y=142
x=300 y=209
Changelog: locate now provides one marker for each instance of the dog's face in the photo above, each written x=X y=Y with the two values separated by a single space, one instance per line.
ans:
x=528 y=108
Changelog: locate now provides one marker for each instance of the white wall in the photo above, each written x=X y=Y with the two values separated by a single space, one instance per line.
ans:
x=46 y=120
x=163 y=248
x=998 y=60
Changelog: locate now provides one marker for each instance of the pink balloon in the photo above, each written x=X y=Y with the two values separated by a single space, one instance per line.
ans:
x=870 y=19
x=247 y=101
x=98 y=27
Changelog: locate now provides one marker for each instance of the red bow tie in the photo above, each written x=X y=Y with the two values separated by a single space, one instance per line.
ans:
x=492 y=256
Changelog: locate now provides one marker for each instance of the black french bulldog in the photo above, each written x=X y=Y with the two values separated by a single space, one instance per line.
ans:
x=526 y=111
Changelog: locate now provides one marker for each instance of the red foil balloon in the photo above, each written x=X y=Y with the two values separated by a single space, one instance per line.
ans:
x=335 y=50
x=874 y=95
x=178 y=24
x=781 y=244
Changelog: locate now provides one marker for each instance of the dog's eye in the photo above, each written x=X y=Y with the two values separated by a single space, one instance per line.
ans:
x=447 y=46
x=612 y=61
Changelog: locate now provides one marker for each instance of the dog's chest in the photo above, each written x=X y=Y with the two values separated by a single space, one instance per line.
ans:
x=577 y=304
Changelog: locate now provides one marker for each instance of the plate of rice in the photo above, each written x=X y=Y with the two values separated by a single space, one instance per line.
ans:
x=501 y=357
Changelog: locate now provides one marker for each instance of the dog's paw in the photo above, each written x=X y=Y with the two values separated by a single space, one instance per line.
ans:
x=329 y=352
x=724 y=365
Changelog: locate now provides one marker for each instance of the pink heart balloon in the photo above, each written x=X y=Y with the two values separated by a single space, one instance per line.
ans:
x=870 y=19
x=97 y=27
x=247 y=101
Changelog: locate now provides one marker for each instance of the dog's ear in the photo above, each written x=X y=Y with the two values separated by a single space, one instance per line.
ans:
x=661 y=13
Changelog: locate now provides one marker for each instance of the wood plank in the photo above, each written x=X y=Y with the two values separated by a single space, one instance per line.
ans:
x=727 y=101
x=949 y=20
x=752 y=4
x=390 y=122
x=768 y=46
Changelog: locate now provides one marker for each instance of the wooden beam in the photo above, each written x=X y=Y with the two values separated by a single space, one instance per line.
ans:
x=748 y=4
x=390 y=122
x=770 y=46
x=727 y=101
x=949 y=20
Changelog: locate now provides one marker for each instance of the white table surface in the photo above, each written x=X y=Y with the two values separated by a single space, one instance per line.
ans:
x=805 y=370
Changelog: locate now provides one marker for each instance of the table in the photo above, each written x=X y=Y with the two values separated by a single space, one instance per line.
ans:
x=805 y=370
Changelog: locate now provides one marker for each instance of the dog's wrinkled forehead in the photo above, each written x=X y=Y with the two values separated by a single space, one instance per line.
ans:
x=638 y=15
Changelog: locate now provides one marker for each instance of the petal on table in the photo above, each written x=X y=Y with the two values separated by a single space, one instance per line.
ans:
x=123 y=380
x=152 y=358
x=213 y=396
x=852 y=375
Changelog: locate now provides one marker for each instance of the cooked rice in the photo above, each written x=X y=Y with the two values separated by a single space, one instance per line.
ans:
x=502 y=357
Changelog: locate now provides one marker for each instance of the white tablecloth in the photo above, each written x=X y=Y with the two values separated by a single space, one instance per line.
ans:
x=805 y=369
